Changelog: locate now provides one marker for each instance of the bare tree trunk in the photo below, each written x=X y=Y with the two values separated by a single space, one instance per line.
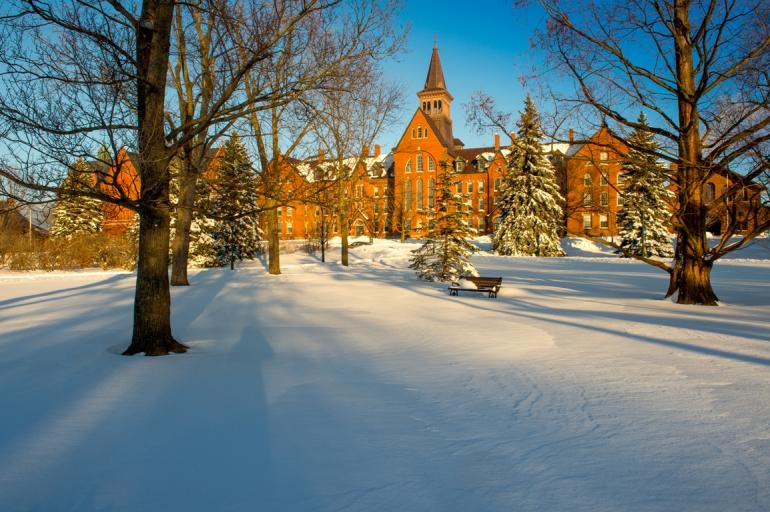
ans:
x=273 y=241
x=152 y=303
x=180 y=248
x=694 y=279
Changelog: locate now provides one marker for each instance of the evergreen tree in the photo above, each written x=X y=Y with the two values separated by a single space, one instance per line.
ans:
x=445 y=255
x=531 y=204
x=75 y=214
x=203 y=246
x=644 y=219
x=236 y=232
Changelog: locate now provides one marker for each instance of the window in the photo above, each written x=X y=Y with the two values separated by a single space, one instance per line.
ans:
x=419 y=163
x=359 y=228
x=459 y=165
x=431 y=193
x=376 y=206
x=419 y=132
x=621 y=199
x=605 y=199
x=289 y=227
x=497 y=184
x=482 y=223
x=408 y=166
x=470 y=187
x=407 y=195
x=604 y=222
x=439 y=105
x=431 y=164
x=587 y=181
x=603 y=155
x=587 y=199
x=481 y=187
x=359 y=190
x=481 y=203
x=289 y=212
x=709 y=192
x=376 y=192
x=459 y=187
x=407 y=225
x=621 y=179
x=419 y=195
x=605 y=180
x=586 y=221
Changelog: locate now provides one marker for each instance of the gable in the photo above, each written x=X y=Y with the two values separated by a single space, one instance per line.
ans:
x=414 y=134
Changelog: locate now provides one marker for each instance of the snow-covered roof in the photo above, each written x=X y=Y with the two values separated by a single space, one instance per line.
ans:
x=376 y=166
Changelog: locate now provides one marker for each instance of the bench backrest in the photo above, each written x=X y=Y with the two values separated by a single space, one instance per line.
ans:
x=485 y=281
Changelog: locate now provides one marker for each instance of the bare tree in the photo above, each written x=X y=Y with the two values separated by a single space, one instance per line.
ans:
x=75 y=73
x=703 y=81
x=350 y=117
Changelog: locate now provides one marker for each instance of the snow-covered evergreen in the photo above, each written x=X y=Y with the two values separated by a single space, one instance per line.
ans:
x=74 y=214
x=645 y=218
x=203 y=246
x=445 y=255
x=531 y=204
x=236 y=232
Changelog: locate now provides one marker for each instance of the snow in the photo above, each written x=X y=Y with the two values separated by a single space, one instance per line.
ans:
x=365 y=389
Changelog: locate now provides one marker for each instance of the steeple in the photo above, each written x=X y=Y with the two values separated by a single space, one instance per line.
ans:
x=435 y=100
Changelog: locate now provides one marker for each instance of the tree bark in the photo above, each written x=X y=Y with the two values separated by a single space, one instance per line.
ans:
x=273 y=241
x=694 y=282
x=152 y=303
x=180 y=248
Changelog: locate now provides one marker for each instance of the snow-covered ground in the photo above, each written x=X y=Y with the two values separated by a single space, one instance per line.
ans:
x=363 y=389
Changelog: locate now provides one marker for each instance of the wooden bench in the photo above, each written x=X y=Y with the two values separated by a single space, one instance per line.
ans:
x=490 y=285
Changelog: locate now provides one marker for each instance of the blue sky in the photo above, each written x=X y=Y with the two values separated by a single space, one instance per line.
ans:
x=484 y=45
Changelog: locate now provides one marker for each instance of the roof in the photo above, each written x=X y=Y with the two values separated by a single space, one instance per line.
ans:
x=314 y=170
x=435 y=77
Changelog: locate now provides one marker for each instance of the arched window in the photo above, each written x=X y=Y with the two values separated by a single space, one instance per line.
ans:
x=420 y=202
x=431 y=164
x=587 y=182
x=419 y=163
x=408 y=167
x=407 y=195
x=431 y=193
x=439 y=105
x=709 y=192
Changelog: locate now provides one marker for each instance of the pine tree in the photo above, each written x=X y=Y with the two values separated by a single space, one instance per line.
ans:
x=531 y=204
x=445 y=255
x=644 y=219
x=236 y=231
x=75 y=214
x=203 y=246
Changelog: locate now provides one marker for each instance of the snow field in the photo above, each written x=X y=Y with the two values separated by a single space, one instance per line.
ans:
x=363 y=389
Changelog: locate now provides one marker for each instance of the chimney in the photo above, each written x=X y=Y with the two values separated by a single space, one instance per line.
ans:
x=376 y=150
x=513 y=136
x=571 y=135
x=320 y=155
x=497 y=142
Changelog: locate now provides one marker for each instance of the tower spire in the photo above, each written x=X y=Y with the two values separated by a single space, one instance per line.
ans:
x=435 y=100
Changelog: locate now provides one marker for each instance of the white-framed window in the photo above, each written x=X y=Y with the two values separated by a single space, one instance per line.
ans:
x=481 y=204
x=605 y=180
x=289 y=227
x=431 y=193
x=470 y=187
x=459 y=187
x=419 y=163
x=497 y=184
x=481 y=187
x=587 y=181
x=604 y=221
x=587 y=221
x=414 y=133
x=622 y=179
x=431 y=164
x=359 y=190
x=419 y=195
x=408 y=167
x=621 y=199
x=603 y=156
x=419 y=132
x=605 y=199
x=587 y=199
x=359 y=228
x=376 y=192
x=459 y=165
x=408 y=195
